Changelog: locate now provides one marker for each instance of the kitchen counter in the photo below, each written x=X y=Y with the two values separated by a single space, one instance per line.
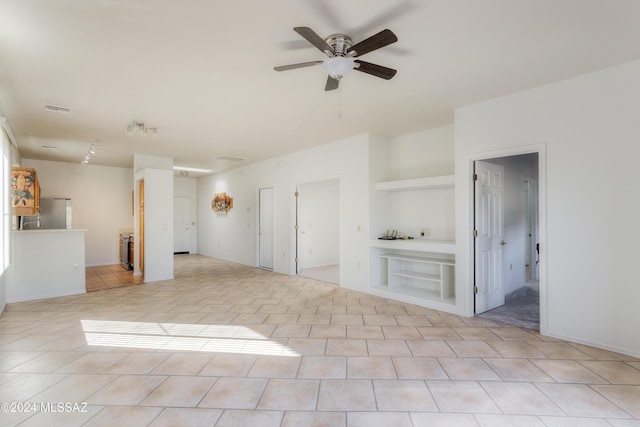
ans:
x=46 y=263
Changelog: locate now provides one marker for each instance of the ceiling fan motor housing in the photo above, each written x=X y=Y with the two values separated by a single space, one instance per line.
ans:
x=340 y=44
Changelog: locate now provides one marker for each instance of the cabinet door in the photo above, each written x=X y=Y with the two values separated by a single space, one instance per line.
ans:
x=25 y=192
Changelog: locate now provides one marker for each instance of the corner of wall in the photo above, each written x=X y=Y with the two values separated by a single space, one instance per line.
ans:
x=4 y=278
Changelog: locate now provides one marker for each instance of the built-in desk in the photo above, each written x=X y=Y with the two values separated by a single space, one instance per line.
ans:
x=46 y=263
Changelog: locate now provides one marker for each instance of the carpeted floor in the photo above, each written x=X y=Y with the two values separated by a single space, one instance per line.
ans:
x=521 y=308
x=327 y=273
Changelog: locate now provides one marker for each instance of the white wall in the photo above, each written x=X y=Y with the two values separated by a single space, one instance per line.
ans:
x=420 y=154
x=101 y=200
x=157 y=173
x=589 y=128
x=233 y=237
x=318 y=208
x=4 y=282
x=188 y=188
x=6 y=151
x=158 y=224
x=46 y=264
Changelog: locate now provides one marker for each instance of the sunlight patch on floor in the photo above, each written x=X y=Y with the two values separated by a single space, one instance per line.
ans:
x=181 y=336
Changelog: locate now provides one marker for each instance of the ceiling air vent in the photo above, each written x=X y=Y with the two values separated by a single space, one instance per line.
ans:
x=49 y=147
x=230 y=158
x=57 y=108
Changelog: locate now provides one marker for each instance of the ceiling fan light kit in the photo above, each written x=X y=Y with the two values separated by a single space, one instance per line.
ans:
x=338 y=66
x=341 y=52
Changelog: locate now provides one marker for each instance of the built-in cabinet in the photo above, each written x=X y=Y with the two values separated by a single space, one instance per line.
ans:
x=420 y=269
x=419 y=276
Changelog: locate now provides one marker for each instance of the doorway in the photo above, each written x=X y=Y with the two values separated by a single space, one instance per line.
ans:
x=181 y=235
x=506 y=267
x=318 y=230
x=265 y=228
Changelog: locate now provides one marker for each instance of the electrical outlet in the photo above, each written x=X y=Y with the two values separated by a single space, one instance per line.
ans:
x=425 y=232
x=76 y=267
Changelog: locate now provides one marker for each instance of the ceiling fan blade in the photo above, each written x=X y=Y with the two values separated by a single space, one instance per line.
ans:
x=332 y=84
x=375 y=70
x=315 y=40
x=383 y=18
x=328 y=13
x=383 y=38
x=294 y=66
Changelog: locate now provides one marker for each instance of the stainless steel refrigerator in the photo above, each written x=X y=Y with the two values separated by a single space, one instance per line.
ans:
x=54 y=213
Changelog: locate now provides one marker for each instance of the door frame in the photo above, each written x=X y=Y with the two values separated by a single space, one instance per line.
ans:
x=296 y=226
x=186 y=227
x=465 y=270
x=531 y=205
x=258 y=228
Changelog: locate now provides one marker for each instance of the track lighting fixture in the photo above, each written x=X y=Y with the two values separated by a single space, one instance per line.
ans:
x=90 y=152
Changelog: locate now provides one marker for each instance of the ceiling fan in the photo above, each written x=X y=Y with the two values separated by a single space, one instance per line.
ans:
x=341 y=53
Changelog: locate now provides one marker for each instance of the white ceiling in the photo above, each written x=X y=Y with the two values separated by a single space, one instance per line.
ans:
x=201 y=71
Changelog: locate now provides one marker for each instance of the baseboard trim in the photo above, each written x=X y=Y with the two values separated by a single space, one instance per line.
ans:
x=615 y=349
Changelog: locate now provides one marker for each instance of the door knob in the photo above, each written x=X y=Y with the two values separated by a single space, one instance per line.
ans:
x=503 y=243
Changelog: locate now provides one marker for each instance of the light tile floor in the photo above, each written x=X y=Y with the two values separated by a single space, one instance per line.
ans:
x=229 y=345
x=109 y=276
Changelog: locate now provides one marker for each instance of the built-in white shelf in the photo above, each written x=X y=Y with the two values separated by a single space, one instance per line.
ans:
x=416 y=294
x=421 y=245
x=419 y=276
x=419 y=270
x=428 y=183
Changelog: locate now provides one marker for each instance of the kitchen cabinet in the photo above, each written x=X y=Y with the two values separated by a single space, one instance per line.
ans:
x=25 y=192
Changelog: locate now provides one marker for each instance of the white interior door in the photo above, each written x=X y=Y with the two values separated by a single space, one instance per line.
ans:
x=181 y=225
x=265 y=228
x=489 y=241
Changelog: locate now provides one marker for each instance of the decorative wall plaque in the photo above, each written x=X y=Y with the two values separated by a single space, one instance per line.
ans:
x=222 y=203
